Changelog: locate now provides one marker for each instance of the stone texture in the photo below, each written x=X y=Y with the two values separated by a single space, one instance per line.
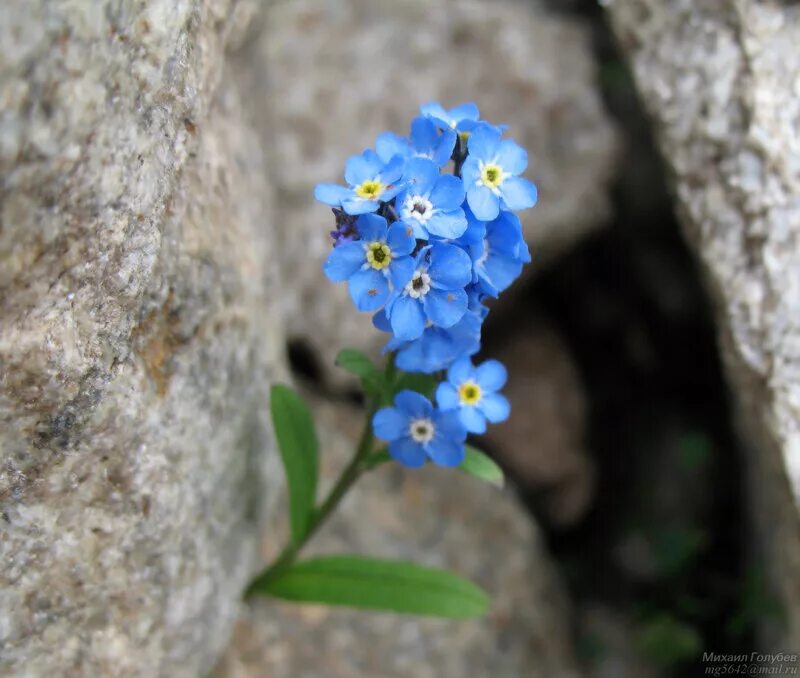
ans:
x=137 y=340
x=336 y=74
x=722 y=82
x=436 y=516
x=542 y=444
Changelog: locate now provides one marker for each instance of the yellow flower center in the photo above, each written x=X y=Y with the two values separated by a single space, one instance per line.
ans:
x=379 y=256
x=464 y=136
x=492 y=175
x=469 y=393
x=370 y=190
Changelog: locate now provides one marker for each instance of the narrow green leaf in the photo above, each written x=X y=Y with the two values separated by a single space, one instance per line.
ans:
x=377 y=584
x=297 y=442
x=359 y=364
x=478 y=464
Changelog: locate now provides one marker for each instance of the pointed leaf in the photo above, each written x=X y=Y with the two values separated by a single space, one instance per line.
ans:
x=359 y=364
x=377 y=584
x=480 y=465
x=297 y=442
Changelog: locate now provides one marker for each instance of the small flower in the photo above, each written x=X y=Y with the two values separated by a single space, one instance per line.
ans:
x=426 y=142
x=498 y=258
x=417 y=431
x=433 y=292
x=438 y=347
x=368 y=264
x=472 y=392
x=490 y=175
x=462 y=119
x=431 y=202
x=371 y=180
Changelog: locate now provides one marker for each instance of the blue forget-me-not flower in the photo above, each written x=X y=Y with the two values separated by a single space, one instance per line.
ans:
x=490 y=175
x=368 y=264
x=417 y=431
x=423 y=247
x=472 y=392
x=371 y=180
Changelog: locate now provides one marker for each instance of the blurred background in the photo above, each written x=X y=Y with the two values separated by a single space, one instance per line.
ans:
x=649 y=515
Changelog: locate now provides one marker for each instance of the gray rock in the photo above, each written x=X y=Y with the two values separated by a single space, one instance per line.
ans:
x=722 y=83
x=137 y=338
x=542 y=443
x=336 y=74
x=440 y=517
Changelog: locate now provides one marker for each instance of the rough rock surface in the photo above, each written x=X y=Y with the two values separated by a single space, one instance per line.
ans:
x=366 y=65
x=542 y=445
x=435 y=516
x=722 y=82
x=137 y=340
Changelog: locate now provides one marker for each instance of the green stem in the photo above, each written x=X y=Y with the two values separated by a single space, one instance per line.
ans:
x=360 y=463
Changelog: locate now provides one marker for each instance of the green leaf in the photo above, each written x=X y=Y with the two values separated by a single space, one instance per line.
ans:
x=667 y=641
x=415 y=381
x=377 y=584
x=359 y=364
x=478 y=464
x=377 y=458
x=297 y=442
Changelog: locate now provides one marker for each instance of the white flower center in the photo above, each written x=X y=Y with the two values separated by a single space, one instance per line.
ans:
x=421 y=430
x=419 y=285
x=418 y=207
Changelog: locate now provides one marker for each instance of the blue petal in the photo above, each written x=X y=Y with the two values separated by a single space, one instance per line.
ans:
x=407 y=318
x=390 y=175
x=443 y=150
x=380 y=321
x=445 y=452
x=484 y=204
x=344 y=261
x=331 y=194
x=368 y=289
x=499 y=271
x=407 y=452
x=389 y=144
x=448 y=424
x=414 y=404
x=401 y=239
x=450 y=267
x=495 y=407
x=483 y=143
x=401 y=271
x=447 y=396
x=468 y=111
x=449 y=225
x=491 y=375
x=472 y=419
x=355 y=206
x=512 y=157
x=460 y=371
x=435 y=110
x=445 y=307
x=424 y=136
x=390 y=424
x=518 y=193
x=448 y=192
x=422 y=174
x=371 y=227
x=361 y=168
x=470 y=172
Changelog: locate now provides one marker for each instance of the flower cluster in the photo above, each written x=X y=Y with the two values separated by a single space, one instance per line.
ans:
x=423 y=249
